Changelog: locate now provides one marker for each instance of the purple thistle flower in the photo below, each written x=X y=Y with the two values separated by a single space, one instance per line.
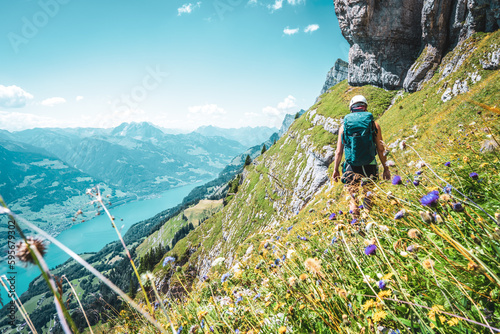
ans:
x=350 y=211
x=340 y=212
x=400 y=214
x=361 y=206
x=416 y=183
x=457 y=207
x=211 y=329
x=430 y=199
x=332 y=216
x=382 y=284
x=396 y=180
x=371 y=250
x=289 y=228
x=354 y=221
x=167 y=260
x=419 y=172
x=447 y=164
x=277 y=261
x=474 y=175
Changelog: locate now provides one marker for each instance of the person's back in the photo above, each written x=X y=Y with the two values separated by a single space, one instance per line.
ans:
x=361 y=138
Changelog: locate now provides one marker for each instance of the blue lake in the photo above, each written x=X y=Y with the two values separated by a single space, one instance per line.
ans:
x=94 y=234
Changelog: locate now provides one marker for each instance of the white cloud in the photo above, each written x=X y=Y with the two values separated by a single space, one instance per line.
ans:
x=287 y=104
x=207 y=109
x=278 y=4
x=13 y=97
x=288 y=31
x=79 y=98
x=276 y=114
x=187 y=8
x=252 y=2
x=311 y=28
x=295 y=2
x=16 y=121
x=50 y=102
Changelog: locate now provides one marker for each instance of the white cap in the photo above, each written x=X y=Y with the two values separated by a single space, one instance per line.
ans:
x=357 y=99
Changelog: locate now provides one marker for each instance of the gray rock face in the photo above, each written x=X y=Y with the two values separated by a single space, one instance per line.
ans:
x=399 y=43
x=336 y=74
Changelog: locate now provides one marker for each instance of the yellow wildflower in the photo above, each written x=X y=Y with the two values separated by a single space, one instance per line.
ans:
x=384 y=293
x=368 y=305
x=377 y=316
x=428 y=264
x=282 y=330
x=435 y=309
x=453 y=322
x=201 y=314
x=303 y=277
x=388 y=276
x=466 y=159
x=484 y=164
x=302 y=306
x=268 y=303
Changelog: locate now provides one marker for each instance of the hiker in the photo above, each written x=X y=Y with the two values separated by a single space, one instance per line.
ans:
x=361 y=138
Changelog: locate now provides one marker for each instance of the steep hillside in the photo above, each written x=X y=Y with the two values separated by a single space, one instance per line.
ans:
x=284 y=256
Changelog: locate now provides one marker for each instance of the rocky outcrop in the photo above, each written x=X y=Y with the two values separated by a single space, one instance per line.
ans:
x=336 y=74
x=399 y=43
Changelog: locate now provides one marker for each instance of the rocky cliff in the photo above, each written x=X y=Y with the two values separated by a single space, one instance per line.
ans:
x=399 y=43
x=336 y=74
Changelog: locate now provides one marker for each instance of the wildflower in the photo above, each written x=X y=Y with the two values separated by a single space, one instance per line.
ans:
x=167 y=260
x=437 y=218
x=384 y=293
x=382 y=284
x=257 y=296
x=302 y=306
x=472 y=266
x=435 y=309
x=489 y=145
x=390 y=163
x=474 y=175
x=225 y=277
x=416 y=183
x=447 y=164
x=457 y=207
x=314 y=266
x=466 y=159
x=414 y=233
x=419 y=172
x=447 y=189
x=403 y=254
x=202 y=314
x=396 y=180
x=282 y=330
x=23 y=252
x=333 y=240
x=427 y=217
x=342 y=293
x=289 y=253
x=332 y=216
x=400 y=214
x=383 y=228
x=303 y=277
x=377 y=316
x=371 y=250
x=428 y=264
x=289 y=228
x=453 y=322
x=444 y=197
x=179 y=330
x=430 y=199
x=411 y=248
x=340 y=212
x=369 y=305
x=354 y=221
x=276 y=262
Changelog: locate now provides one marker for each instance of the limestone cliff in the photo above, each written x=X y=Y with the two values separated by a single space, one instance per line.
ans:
x=399 y=43
x=336 y=74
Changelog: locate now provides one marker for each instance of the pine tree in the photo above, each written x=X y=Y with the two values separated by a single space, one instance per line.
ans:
x=297 y=115
x=264 y=149
x=248 y=160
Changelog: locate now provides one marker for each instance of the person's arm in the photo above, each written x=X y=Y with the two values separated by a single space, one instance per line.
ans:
x=386 y=175
x=338 y=155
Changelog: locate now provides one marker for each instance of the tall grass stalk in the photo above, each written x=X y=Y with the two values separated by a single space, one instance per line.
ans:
x=99 y=199
x=79 y=303
x=150 y=277
x=87 y=266
x=18 y=304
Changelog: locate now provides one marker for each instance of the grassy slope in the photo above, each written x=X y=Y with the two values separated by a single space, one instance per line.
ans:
x=259 y=211
x=165 y=234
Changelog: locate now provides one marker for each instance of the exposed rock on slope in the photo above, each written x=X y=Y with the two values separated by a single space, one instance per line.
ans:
x=399 y=43
x=336 y=74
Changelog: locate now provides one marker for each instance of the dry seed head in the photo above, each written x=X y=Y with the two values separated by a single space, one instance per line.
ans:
x=414 y=233
x=23 y=252
x=428 y=264
x=472 y=266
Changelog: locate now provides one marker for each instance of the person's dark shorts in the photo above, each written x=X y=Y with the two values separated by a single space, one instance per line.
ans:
x=354 y=174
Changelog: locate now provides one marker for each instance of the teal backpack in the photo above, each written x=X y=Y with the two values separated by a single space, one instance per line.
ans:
x=359 y=138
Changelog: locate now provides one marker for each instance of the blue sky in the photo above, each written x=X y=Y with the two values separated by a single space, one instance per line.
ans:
x=175 y=63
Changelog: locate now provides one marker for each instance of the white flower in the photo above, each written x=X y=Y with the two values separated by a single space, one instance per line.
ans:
x=217 y=261
x=379 y=275
x=390 y=163
x=383 y=228
x=403 y=254
x=420 y=164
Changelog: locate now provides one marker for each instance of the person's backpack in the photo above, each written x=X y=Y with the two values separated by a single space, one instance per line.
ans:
x=359 y=138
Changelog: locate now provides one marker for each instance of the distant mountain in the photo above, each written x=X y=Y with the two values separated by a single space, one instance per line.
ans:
x=246 y=136
x=137 y=157
x=43 y=188
x=289 y=119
